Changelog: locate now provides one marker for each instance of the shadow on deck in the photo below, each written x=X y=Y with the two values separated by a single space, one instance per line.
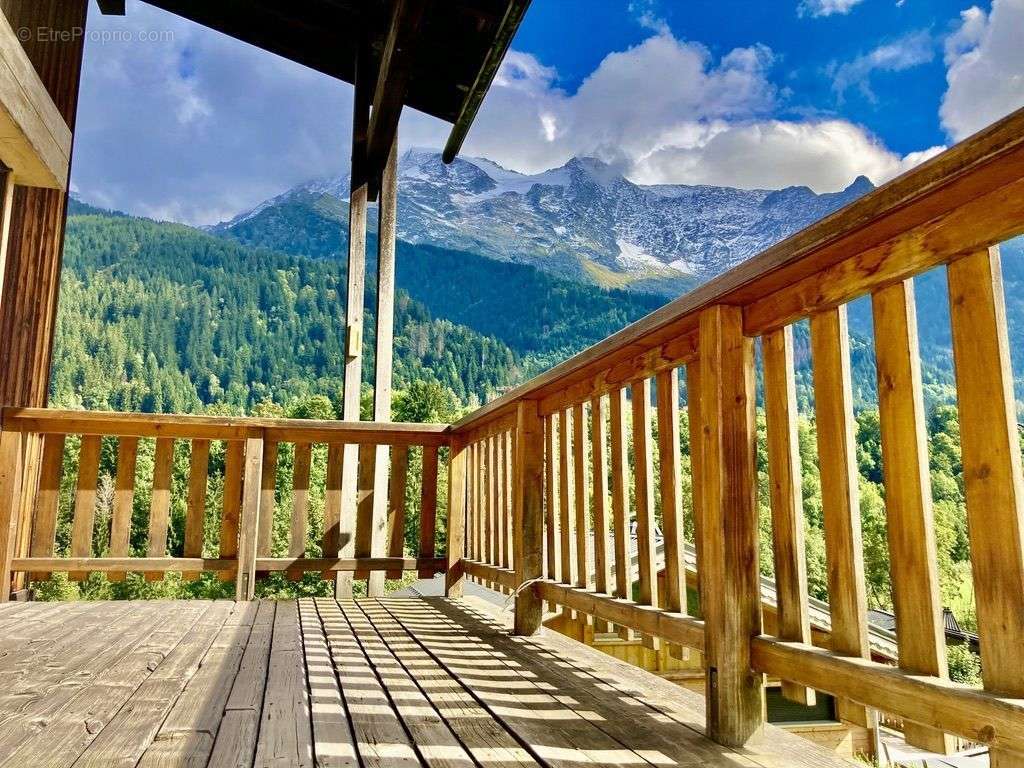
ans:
x=398 y=682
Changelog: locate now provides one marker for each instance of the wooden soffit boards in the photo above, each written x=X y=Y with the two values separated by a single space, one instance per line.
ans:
x=35 y=141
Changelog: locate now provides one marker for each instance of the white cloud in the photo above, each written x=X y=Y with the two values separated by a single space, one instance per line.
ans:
x=985 y=75
x=825 y=7
x=906 y=52
x=202 y=127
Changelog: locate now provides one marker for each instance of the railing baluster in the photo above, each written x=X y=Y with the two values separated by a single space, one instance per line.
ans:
x=44 y=520
x=333 y=504
x=567 y=501
x=837 y=462
x=299 y=526
x=598 y=443
x=617 y=411
x=696 y=485
x=908 y=497
x=268 y=478
x=428 y=507
x=11 y=478
x=551 y=535
x=643 y=480
x=195 y=513
x=991 y=468
x=732 y=595
x=786 y=498
x=510 y=444
x=396 y=505
x=234 y=455
x=581 y=495
x=487 y=493
x=160 y=504
x=364 y=506
x=85 y=501
x=501 y=525
x=670 y=457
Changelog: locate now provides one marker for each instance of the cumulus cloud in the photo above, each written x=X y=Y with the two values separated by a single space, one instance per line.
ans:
x=985 y=75
x=906 y=52
x=200 y=127
x=818 y=8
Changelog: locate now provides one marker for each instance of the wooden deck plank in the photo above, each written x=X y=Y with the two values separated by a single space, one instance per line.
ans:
x=482 y=736
x=434 y=741
x=185 y=739
x=380 y=738
x=125 y=737
x=92 y=694
x=286 y=734
x=235 y=744
x=333 y=742
x=556 y=732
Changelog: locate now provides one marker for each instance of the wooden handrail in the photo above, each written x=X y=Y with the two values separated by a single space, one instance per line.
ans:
x=965 y=199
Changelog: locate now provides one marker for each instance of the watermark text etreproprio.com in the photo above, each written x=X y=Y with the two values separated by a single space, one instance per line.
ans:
x=102 y=36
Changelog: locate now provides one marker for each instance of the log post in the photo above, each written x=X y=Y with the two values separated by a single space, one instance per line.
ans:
x=528 y=514
x=729 y=562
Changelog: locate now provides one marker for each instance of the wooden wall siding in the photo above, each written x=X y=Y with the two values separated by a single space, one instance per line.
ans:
x=786 y=497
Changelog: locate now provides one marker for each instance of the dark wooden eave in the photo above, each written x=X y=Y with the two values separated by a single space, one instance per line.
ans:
x=459 y=45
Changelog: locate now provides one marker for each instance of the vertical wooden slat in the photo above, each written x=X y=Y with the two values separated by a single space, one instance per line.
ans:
x=991 y=467
x=11 y=474
x=196 y=511
x=300 y=502
x=252 y=490
x=696 y=482
x=581 y=494
x=644 y=494
x=85 y=501
x=160 y=503
x=551 y=536
x=732 y=605
x=908 y=497
x=268 y=478
x=567 y=540
x=473 y=550
x=333 y=502
x=454 y=580
x=786 y=498
x=428 y=507
x=364 y=505
x=670 y=457
x=499 y=494
x=528 y=514
x=396 y=505
x=599 y=446
x=487 y=496
x=44 y=523
x=840 y=500
x=234 y=456
x=618 y=408
x=510 y=444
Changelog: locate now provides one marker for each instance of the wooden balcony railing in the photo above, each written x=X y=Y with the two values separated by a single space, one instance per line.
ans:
x=565 y=442
x=368 y=543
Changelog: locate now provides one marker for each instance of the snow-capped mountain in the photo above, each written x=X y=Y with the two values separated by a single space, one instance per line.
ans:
x=582 y=219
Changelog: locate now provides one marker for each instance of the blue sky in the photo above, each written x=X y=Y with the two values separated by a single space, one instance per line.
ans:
x=195 y=127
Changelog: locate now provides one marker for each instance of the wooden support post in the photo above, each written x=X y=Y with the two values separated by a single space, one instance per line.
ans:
x=528 y=514
x=840 y=498
x=10 y=497
x=908 y=498
x=245 y=581
x=732 y=596
x=454 y=579
x=786 y=498
x=992 y=470
x=354 y=298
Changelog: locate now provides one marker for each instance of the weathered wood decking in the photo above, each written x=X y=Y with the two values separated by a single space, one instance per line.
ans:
x=390 y=683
